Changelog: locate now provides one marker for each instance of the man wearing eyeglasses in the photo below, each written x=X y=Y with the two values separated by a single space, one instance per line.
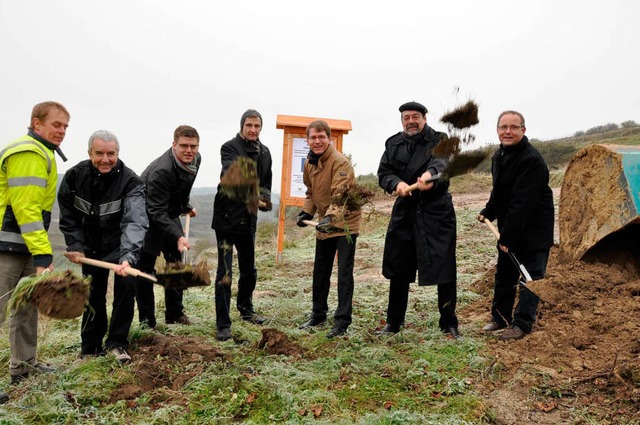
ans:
x=421 y=235
x=327 y=175
x=522 y=202
x=235 y=224
x=168 y=182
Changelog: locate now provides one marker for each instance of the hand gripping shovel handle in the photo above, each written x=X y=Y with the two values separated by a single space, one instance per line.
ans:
x=110 y=266
x=429 y=180
x=520 y=267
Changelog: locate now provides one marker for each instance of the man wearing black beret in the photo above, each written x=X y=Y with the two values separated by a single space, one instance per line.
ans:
x=422 y=230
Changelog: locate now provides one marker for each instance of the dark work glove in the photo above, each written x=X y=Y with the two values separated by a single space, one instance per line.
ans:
x=303 y=216
x=268 y=206
x=325 y=224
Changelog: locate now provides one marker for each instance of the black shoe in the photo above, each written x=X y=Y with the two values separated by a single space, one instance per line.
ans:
x=388 y=330
x=336 y=331
x=254 y=318
x=182 y=320
x=223 y=334
x=312 y=323
x=453 y=331
x=4 y=397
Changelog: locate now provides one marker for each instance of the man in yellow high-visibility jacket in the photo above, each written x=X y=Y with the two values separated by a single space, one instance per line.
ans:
x=28 y=177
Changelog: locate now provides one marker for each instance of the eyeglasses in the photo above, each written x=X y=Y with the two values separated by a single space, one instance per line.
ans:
x=510 y=127
x=184 y=147
x=321 y=138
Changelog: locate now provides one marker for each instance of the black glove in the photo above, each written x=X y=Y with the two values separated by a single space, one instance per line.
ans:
x=268 y=206
x=325 y=224
x=303 y=216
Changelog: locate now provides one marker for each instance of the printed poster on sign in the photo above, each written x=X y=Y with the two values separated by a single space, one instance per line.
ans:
x=300 y=151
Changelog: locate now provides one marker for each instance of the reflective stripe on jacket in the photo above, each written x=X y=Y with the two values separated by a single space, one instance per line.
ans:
x=28 y=177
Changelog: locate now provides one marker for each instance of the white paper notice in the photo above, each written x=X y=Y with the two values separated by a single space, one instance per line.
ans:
x=300 y=151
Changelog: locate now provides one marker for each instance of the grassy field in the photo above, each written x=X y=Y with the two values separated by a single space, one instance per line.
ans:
x=417 y=376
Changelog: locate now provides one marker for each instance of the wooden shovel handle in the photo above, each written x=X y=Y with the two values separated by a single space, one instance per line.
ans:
x=110 y=266
x=429 y=180
x=262 y=204
x=310 y=223
x=492 y=228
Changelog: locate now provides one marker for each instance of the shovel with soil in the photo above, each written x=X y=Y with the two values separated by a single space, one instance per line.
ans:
x=184 y=275
x=459 y=165
x=525 y=278
x=59 y=295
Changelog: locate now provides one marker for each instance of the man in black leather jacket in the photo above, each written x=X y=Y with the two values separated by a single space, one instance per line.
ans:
x=102 y=216
x=522 y=202
x=168 y=181
x=235 y=225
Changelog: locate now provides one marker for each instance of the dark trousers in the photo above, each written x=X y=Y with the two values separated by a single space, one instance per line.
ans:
x=245 y=246
x=94 y=319
x=399 y=297
x=174 y=309
x=506 y=283
x=322 y=268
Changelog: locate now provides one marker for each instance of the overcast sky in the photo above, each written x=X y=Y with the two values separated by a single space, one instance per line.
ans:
x=141 y=68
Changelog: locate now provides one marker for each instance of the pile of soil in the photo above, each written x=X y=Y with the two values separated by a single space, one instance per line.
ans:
x=274 y=341
x=184 y=276
x=61 y=295
x=583 y=353
x=166 y=362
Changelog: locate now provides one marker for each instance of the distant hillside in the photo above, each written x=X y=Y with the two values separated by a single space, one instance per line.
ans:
x=558 y=152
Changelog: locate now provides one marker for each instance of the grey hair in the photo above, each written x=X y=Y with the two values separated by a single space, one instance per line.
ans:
x=512 y=113
x=105 y=135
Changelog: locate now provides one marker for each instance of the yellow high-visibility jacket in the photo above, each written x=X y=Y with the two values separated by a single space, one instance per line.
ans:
x=28 y=178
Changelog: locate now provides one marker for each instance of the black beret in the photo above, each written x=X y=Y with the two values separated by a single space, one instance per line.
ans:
x=413 y=106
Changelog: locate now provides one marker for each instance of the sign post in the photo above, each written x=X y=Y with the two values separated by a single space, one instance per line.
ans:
x=294 y=153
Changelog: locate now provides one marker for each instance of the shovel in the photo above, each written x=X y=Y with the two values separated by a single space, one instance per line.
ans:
x=332 y=229
x=524 y=274
x=460 y=164
x=128 y=270
x=183 y=275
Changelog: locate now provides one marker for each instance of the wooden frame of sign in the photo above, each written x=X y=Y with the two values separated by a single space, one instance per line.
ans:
x=294 y=152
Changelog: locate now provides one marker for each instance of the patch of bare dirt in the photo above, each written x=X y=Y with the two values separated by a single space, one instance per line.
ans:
x=163 y=364
x=274 y=341
x=584 y=352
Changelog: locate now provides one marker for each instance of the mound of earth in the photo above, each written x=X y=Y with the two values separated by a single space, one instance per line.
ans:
x=274 y=341
x=584 y=351
x=166 y=362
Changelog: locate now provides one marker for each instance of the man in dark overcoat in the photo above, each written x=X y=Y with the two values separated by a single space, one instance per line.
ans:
x=422 y=230
x=522 y=202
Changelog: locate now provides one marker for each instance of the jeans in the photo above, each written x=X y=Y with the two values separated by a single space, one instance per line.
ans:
x=322 y=268
x=506 y=283
x=245 y=246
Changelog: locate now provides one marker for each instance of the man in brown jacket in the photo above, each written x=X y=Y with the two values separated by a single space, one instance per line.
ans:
x=327 y=175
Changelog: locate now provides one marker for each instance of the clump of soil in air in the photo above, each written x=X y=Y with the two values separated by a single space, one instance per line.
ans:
x=584 y=350
x=163 y=364
x=59 y=295
x=240 y=182
x=274 y=341
x=183 y=276
x=462 y=117
x=354 y=198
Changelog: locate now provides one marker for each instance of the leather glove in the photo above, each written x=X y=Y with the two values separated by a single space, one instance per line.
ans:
x=268 y=206
x=325 y=224
x=303 y=216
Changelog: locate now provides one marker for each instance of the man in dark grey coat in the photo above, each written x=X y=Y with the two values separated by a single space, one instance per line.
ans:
x=422 y=230
x=168 y=181
x=102 y=216
x=522 y=202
